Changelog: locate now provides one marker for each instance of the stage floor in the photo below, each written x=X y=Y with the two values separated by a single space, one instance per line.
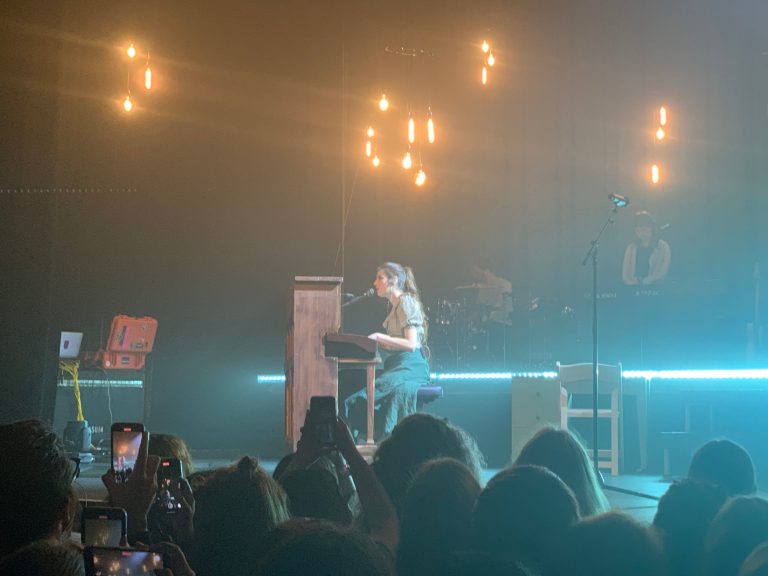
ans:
x=90 y=487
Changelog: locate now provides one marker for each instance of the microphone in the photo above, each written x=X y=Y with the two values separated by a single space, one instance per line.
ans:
x=367 y=294
x=619 y=200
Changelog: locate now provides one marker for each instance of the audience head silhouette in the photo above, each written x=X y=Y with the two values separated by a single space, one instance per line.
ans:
x=611 y=544
x=756 y=563
x=725 y=464
x=43 y=558
x=302 y=546
x=235 y=510
x=738 y=528
x=416 y=439
x=170 y=446
x=560 y=452
x=37 y=498
x=314 y=493
x=522 y=513
x=436 y=516
x=682 y=520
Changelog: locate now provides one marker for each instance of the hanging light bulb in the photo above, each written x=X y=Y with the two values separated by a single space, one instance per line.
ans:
x=383 y=103
x=491 y=59
x=376 y=162
x=131 y=51
x=484 y=76
x=430 y=128
x=660 y=133
x=127 y=104
x=421 y=177
x=148 y=78
x=368 y=148
x=411 y=130
x=370 y=132
x=485 y=46
x=407 y=161
x=663 y=116
x=655 y=175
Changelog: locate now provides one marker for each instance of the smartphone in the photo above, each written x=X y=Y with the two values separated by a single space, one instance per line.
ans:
x=322 y=416
x=103 y=526
x=113 y=561
x=168 y=473
x=126 y=441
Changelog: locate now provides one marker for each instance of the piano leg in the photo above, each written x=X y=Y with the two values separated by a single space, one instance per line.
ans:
x=371 y=393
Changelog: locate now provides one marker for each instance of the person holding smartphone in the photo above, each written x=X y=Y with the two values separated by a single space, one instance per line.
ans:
x=403 y=346
x=103 y=526
x=172 y=515
x=380 y=514
x=136 y=493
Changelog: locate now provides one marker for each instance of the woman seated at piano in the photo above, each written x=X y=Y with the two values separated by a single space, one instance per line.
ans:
x=647 y=258
x=402 y=347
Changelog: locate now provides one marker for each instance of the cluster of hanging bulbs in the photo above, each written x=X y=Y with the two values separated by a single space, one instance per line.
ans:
x=489 y=61
x=662 y=122
x=660 y=135
x=131 y=52
x=369 y=150
x=407 y=161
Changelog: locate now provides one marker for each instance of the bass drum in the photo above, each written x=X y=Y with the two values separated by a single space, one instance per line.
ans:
x=445 y=334
x=444 y=312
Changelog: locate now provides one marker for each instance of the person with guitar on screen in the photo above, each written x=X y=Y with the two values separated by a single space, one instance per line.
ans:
x=403 y=347
x=647 y=258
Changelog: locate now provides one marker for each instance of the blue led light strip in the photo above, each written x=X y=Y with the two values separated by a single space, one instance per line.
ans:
x=270 y=378
x=738 y=374
x=732 y=374
x=440 y=376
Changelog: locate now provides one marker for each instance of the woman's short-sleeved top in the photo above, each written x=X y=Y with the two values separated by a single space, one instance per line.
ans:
x=406 y=314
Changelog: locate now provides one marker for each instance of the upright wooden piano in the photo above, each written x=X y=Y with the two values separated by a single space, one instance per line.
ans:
x=314 y=348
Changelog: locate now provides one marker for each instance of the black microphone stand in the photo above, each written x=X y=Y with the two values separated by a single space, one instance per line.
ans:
x=592 y=254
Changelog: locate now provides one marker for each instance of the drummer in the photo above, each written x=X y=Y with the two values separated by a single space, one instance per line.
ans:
x=491 y=288
x=492 y=291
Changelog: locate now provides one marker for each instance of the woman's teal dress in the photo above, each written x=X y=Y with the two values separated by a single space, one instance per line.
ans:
x=403 y=372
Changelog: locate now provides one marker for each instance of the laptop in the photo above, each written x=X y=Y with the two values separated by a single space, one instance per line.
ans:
x=69 y=347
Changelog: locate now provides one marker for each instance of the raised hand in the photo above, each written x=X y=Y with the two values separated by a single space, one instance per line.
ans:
x=182 y=523
x=137 y=493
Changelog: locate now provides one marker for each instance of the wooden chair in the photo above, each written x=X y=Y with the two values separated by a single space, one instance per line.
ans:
x=576 y=380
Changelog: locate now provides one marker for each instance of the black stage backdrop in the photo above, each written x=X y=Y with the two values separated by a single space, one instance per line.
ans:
x=200 y=206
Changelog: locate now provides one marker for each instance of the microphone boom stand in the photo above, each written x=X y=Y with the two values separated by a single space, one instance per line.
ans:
x=592 y=254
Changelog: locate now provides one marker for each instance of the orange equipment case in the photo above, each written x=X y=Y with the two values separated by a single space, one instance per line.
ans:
x=132 y=334
x=130 y=340
x=123 y=360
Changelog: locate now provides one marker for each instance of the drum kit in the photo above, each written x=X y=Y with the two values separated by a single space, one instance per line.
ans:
x=482 y=328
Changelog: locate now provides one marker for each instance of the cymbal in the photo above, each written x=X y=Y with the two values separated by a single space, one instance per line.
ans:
x=481 y=287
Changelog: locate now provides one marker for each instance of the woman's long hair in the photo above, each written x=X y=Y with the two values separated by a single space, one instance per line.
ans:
x=405 y=281
x=436 y=516
x=235 y=510
x=561 y=452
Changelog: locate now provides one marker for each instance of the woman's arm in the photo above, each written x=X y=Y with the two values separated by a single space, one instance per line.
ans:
x=410 y=343
x=380 y=514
